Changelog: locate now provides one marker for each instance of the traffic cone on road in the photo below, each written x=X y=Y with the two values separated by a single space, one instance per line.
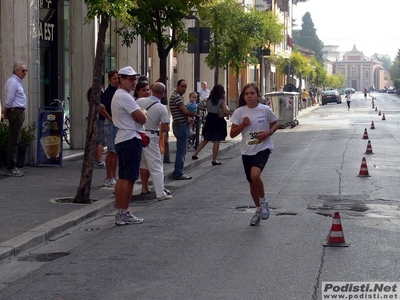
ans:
x=363 y=169
x=365 y=136
x=383 y=117
x=379 y=113
x=336 y=237
x=369 y=148
x=372 y=125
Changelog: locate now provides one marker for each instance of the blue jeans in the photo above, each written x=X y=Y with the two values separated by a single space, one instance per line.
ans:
x=182 y=135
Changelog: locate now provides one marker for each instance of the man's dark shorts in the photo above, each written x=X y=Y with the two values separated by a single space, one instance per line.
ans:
x=258 y=160
x=129 y=156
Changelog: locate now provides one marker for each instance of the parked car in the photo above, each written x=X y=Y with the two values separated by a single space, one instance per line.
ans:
x=349 y=89
x=331 y=96
x=391 y=91
x=382 y=91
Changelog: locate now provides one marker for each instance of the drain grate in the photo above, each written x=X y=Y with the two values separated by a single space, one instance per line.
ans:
x=43 y=257
x=286 y=214
x=245 y=207
x=387 y=167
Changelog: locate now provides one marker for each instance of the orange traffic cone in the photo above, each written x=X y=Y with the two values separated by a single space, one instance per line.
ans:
x=336 y=237
x=369 y=148
x=372 y=125
x=363 y=169
x=379 y=113
x=383 y=117
x=365 y=136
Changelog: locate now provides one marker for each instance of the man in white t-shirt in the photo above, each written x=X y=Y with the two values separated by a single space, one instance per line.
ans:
x=157 y=118
x=129 y=119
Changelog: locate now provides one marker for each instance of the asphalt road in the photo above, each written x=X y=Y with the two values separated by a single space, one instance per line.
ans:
x=199 y=245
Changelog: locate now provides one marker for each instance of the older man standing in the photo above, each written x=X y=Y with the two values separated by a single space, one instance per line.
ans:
x=157 y=118
x=15 y=104
x=129 y=119
x=180 y=128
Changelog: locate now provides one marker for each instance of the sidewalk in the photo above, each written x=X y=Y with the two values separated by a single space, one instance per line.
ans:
x=29 y=214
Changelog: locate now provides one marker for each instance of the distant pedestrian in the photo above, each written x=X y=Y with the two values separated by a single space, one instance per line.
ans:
x=152 y=164
x=129 y=119
x=180 y=128
x=304 y=96
x=215 y=128
x=204 y=93
x=14 y=110
x=256 y=123
x=365 y=93
x=348 y=99
x=110 y=131
x=312 y=96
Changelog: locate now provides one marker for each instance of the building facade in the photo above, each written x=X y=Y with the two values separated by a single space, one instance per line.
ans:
x=58 y=46
x=360 y=71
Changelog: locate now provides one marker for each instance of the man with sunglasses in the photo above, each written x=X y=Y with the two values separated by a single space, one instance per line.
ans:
x=129 y=119
x=15 y=104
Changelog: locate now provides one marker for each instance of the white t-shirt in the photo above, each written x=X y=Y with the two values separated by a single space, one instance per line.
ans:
x=157 y=114
x=122 y=106
x=260 y=117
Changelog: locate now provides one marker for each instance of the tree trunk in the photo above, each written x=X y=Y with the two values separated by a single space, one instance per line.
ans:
x=83 y=192
x=163 y=78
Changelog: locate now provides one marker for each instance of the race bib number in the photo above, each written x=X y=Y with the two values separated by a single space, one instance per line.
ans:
x=252 y=139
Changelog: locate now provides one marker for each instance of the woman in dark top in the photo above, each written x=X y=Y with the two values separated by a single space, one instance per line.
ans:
x=215 y=128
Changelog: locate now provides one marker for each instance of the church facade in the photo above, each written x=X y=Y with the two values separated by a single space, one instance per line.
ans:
x=361 y=71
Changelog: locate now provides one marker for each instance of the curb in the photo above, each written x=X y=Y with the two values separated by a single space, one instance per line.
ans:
x=45 y=232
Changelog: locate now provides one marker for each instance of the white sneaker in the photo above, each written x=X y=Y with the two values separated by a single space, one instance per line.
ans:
x=165 y=197
x=99 y=165
x=128 y=218
x=109 y=182
x=15 y=172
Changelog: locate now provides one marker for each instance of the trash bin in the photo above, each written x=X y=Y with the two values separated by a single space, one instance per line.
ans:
x=286 y=107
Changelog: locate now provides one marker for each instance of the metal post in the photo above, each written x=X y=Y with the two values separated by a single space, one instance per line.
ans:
x=196 y=66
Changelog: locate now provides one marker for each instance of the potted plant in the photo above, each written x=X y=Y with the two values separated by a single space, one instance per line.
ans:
x=28 y=134
x=3 y=143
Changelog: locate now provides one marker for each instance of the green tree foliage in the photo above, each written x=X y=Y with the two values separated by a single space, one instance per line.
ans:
x=395 y=70
x=236 y=34
x=385 y=59
x=307 y=36
x=105 y=10
x=298 y=1
x=160 y=22
x=335 y=81
x=319 y=74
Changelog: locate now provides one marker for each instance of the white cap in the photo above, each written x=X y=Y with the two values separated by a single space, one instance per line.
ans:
x=128 y=71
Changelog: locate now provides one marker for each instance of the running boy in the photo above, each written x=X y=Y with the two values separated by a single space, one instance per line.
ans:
x=256 y=123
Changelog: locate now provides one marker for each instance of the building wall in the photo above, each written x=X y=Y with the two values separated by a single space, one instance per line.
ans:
x=359 y=70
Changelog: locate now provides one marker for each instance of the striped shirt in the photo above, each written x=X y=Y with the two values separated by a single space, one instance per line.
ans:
x=178 y=117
